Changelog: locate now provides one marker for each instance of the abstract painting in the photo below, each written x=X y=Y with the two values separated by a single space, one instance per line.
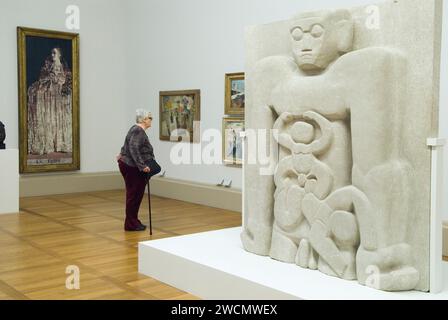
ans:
x=179 y=115
x=234 y=94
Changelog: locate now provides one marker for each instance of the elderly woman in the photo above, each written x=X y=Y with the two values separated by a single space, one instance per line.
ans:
x=137 y=165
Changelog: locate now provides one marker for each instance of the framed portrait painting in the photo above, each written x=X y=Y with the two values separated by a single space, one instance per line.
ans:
x=232 y=144
x=180 y=113
x=48 y=64
x=234 y=94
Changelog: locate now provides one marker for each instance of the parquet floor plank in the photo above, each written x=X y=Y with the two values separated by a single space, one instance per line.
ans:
x=86 y=230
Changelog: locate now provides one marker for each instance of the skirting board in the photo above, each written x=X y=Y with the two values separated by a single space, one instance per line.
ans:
x=62 y=183
x=204 y=194
x=207 y=195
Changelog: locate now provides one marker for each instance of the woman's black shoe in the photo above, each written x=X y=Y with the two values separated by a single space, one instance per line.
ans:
x=139 y=228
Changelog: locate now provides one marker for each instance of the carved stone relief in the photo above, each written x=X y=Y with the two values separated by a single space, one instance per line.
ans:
x=345 y=187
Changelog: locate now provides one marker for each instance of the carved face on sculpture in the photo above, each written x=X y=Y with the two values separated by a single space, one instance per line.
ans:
x=319 y=38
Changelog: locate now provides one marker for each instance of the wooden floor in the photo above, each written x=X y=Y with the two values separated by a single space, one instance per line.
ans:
x=86 y=230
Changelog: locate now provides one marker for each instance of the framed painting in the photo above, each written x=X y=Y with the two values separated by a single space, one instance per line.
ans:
x=48 y=65
x=232 y=143
x=234 y=94
x=180 y=113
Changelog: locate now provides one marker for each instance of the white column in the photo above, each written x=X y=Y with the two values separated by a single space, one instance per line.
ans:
x=243 y=138
x=9 y=181
x=436 y=268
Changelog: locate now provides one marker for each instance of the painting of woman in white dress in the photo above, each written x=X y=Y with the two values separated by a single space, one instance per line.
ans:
x=50 y=105
x=232 y=141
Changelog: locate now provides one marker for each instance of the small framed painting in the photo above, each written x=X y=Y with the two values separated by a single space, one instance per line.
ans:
x=234 y=94
x=48 y=100
x=180 y=113
x=232 y=144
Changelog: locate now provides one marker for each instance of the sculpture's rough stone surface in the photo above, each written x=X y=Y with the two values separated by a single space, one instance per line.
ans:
x=351 y=96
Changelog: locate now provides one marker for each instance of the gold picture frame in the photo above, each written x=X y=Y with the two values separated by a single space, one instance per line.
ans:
x=234 y=94
x=179 y=115
x=48 y=73
x=232 y=142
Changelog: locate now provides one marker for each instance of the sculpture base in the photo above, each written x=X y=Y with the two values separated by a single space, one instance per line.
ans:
x=9 y=181
x=213 y=265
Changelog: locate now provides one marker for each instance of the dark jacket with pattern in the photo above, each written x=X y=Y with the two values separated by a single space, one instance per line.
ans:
x=137 y=151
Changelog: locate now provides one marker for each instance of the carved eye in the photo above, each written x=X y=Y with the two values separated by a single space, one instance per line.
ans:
x=317 y=31
x=297 y=34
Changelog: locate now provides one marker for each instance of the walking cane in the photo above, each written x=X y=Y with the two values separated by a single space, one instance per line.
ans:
x=149 y=208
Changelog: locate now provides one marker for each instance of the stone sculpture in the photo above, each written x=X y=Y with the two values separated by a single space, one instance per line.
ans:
x=2 y=136
x=344 y=187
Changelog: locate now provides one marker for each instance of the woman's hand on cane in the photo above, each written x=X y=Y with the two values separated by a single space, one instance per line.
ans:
x=146 y=170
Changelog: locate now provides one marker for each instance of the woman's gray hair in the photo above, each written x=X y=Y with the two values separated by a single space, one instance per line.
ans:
x=142 y=114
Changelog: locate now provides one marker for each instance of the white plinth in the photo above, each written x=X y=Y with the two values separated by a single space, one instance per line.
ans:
x=213 y=265
x=9 y=181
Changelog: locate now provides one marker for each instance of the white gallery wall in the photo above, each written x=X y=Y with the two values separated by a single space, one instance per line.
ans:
x=178 y=44
x=132 y=49
x=102 y=71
